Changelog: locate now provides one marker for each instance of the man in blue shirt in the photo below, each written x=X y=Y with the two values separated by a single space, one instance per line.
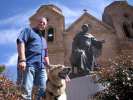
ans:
x=33 y=58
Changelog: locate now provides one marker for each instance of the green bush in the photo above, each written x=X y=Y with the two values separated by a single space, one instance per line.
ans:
x=2 y=68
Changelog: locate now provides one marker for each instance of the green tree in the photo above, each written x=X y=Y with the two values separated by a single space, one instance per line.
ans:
x=2 y=68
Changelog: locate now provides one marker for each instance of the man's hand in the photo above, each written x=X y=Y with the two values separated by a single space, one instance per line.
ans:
x=22 y=66
x=102 y=41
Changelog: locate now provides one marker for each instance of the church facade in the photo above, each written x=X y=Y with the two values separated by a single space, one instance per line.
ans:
x=116 y=28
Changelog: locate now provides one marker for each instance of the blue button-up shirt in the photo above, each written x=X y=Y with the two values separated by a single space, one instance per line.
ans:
x=35 y=46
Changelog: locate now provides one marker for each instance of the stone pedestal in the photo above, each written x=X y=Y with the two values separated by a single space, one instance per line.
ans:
x=83 y=88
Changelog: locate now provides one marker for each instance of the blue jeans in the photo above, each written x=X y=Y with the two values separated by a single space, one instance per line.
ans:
x=19 y=77
x=34 y=76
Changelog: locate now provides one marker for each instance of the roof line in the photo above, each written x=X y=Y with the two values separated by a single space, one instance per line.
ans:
x=86 y=13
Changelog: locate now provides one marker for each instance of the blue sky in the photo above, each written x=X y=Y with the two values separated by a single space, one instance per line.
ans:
x=15 y=13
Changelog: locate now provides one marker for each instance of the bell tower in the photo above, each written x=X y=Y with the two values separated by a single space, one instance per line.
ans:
x=118 y=15
x=54 y=32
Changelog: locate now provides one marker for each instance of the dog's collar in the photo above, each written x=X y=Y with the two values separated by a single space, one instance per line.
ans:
x=57 y=86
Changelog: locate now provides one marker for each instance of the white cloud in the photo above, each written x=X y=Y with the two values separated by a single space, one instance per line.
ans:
x=12 y=60
x=13 y=25
x=8 y=36
x=17 y=20
x=94 y=7
x=70 y=14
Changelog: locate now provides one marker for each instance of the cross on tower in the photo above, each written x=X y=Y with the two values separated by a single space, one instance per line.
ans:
x=85 y=10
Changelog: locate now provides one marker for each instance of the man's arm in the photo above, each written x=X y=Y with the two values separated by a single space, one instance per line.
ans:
x=21 y=55
x=21 y=41
x=46 y=60
x=47 y=64
x=21 y=51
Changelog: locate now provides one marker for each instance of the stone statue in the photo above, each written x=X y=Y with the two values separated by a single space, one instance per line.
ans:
x=85 y=50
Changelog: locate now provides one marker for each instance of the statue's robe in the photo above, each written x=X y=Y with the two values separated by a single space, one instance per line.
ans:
x=85 y=50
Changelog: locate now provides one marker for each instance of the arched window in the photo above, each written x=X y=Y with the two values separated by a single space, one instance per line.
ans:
x=126 y=28
x=126 y=15
x=132 y=25
x=50 y=36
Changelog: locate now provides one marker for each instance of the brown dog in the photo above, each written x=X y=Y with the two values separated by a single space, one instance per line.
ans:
x=56 y=84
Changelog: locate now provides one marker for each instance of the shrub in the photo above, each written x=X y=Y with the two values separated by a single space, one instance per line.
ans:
x=2 y=68
x=118 y=79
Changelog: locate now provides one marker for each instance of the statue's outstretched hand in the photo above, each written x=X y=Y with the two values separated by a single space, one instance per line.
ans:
x=102 y=41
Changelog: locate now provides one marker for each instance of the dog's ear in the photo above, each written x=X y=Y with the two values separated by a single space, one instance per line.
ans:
x=50 y=67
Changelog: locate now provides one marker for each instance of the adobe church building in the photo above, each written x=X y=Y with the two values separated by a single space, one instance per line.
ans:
x=116 y=28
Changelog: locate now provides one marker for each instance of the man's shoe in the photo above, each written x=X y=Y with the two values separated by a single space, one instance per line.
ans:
x=25 y=97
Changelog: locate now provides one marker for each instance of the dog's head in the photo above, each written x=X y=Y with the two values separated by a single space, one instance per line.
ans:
x=58 y=71
x=57 y=77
